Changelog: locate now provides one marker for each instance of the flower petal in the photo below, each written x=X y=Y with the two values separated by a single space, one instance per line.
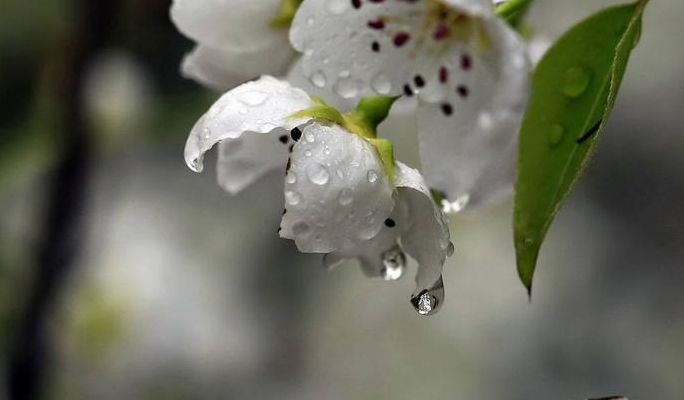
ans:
x=387 y=48
x=336 y=191
x=227 y=24
x=260 y=106
x=468 y=139
x=243 y=160
x=379 y=256
x=224 y=68
x=427 y=238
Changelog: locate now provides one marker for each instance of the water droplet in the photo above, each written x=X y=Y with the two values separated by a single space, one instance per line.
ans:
x=372 y=176
x=307 y=153
x=457 y=205
x=339 y=174
x=556 y=135
x=346 y=196
x=381 y=84
x=337 y=6
x=346 y=88
x=293 y=198
x=318 y=174
x=309 y=137
x=576 y=81
x=253 y=98
x=318 y=79
x=206 y=133
x=344 y=73
x=485 y=121
x=309 y=21
x=300 y=228
x=428 y=301
x=291 y=178
x=326 y=150
x=450 y=249
x=332 y=260
x=242 y=111
x=393 y=262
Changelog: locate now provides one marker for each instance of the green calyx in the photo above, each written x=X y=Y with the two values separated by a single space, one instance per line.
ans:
x=513 y=11
x=286 y=13
x=362 y=121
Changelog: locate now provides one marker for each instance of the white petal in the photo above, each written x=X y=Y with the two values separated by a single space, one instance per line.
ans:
x=381 y=252
x=243 y=160
x=336 y=191
x=468 y=140
x=227 y=24
x=295 y=75
x=260 y=107
x=222 y=69
x=427 y=238
x=386 y=47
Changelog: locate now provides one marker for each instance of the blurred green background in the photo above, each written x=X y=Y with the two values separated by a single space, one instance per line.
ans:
x=174 y=290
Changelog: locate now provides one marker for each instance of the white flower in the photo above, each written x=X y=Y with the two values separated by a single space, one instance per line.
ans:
x=468 y=69
x=236 y=40
x=339 y=198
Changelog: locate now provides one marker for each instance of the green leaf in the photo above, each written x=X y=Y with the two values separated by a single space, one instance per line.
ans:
x=573 y=92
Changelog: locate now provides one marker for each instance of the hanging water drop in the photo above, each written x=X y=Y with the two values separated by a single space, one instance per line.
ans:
x=428 y=301
x=556 y=135
x=393 y=262
x=576 y=81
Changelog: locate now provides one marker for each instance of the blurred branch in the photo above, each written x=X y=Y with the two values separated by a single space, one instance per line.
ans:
x=66 y=193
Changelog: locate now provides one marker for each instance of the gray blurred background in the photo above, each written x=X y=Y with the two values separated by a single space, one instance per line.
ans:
x=170 y=289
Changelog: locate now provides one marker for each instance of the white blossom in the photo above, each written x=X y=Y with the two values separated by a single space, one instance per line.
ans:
x=467 y=68
x=339 y=198
x=236 y=40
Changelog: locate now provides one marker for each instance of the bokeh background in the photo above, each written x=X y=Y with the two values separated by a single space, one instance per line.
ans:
x=123 y=275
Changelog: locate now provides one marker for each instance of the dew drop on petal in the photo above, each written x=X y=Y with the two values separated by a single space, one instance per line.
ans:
x=300 y=228
x=337 y=6
x=393 y=262
x=345 y=196
x=556 y=135
x=309 y=137
x=318 y=79
x=318 y=174
x=485 y=121
x=206 y=133
x=291 y=178
x=253 y=98
x=307 y=153
x=381 y=84
x=576 y=81
x=346 y=88
x=292 y=198
x=372 y=176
